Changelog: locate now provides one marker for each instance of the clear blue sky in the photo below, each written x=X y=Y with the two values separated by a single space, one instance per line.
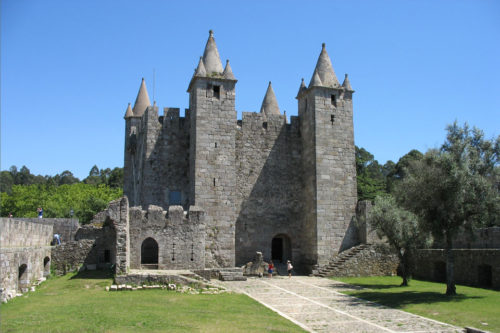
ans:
x=69 y=68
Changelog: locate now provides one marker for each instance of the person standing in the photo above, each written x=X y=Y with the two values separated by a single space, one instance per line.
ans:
x=289 y=268
x=270 y=269
x=57 y=239
x=40 y=212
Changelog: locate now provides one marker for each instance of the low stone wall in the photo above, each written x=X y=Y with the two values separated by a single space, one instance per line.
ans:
x=66 y=228
x=25 y=254
x=70 y=256
x=16 y=232
x=474 y=267
x=373 y=260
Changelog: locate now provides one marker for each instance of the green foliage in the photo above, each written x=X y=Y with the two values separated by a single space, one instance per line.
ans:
x=57 y=201
x=370 y=175
x=454 y=187
x=474 y=307
x=401 y=228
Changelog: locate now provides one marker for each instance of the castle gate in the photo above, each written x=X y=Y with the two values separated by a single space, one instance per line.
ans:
x=281 y=248
x=149 y=254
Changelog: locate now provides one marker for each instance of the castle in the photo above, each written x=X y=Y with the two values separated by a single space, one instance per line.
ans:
x=255 y=184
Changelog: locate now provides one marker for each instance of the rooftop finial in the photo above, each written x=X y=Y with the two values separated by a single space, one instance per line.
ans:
x=210 y=33
x=323 y=45
x=270 y=104
x=211 y=58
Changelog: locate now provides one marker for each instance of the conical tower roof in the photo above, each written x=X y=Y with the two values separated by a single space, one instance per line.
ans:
x=325 y=71
x=228 y=72
x=302 y=87
x=200 y=70
x=270 y=104
x=211 y=58
x=142 y=101
x=129 y=113
x=315 y=80
x=347 y=84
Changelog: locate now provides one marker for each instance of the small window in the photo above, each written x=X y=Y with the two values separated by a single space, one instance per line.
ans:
x=216 y=92
x=216 y=145
x=214 y=181
x=264 y=125
x=334 y=101
x=174 y=198
x=107 y=256
x=332 y=118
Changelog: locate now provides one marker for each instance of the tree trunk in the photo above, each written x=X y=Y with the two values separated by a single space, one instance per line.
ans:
x=404 y=269
x=450 y=278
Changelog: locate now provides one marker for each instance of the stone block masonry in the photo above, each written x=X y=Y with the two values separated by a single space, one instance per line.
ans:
x=25 y=254
x=286 y=190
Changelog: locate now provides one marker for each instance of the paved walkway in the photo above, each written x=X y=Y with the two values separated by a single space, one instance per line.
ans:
x=316 y=305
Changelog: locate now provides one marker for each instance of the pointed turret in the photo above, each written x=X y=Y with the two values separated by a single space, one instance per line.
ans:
x=315 y=80
x=228 y=72
x=347 y=84
x=129 y=113
x=142 y=101
x=302 y=86
x=200 y=70
x=270 y=104
x=211 y=57
x=325 y=71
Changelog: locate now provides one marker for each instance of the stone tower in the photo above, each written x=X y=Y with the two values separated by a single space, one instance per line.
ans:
x=328 y=161
x=212 y=153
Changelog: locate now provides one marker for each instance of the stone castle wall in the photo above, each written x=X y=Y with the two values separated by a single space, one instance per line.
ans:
x=25 y=254
x=157 y=158
x=180 y=236
x=269 y=183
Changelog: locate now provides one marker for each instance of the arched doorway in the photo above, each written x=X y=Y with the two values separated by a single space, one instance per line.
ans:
x=22 y=281
x=149 y=254
x=281 y=248
x=46 y=266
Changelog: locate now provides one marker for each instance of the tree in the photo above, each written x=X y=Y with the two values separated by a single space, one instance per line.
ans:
x=396 y=172
x=401 y=228
x=370 y=176
x=454 y=187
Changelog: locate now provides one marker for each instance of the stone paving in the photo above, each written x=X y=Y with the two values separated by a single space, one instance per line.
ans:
x=316 y=305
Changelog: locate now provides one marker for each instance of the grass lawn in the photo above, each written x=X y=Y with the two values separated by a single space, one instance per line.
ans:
x=79 y=303
x=474 y=307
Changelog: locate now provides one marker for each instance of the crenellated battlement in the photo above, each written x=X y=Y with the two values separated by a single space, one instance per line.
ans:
x=253 y=123
x=264 y=183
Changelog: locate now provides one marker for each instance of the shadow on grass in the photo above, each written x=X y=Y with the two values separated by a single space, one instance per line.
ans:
x=403 y=298
x=97 y=274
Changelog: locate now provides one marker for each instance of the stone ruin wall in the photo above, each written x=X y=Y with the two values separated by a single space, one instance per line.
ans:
x=180 y=236
x=269 y=186
x=25 y=254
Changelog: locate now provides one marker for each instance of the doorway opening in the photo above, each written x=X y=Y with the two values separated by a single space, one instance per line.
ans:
x=281 y=248
x=149 y=254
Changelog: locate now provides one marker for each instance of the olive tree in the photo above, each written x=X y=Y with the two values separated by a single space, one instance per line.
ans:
x=400 y=227
x=454 y=187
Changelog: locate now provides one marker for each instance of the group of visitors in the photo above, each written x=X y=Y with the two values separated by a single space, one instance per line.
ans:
x=289 y=268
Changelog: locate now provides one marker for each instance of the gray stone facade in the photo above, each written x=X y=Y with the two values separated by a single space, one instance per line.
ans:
x=285 y=189
x=25 y=254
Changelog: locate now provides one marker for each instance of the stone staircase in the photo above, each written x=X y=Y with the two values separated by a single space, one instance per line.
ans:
x=231 y=274
x=339 y=260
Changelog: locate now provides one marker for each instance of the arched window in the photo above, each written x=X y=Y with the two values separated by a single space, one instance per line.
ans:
x=149 y=253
